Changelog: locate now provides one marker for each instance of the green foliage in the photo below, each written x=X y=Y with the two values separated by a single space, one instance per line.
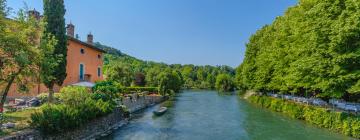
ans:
x=169 y=81
x=118 y=72
x=3 y=8
x=102 y=96
x=49 y=63
x=19 y=53
x=138 y=89
x=54 y=11
x=77 y=108
x=109 y=88
x=347 y=124
x=224 y=83
x=72 y=95
x=313 y=48
x=127 y=67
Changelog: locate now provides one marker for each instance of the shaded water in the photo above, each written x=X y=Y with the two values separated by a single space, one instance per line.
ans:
x=207 y=115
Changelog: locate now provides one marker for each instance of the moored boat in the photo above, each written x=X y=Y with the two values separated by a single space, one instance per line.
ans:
x=161 y=111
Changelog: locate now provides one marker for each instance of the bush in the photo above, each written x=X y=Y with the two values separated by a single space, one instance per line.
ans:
x=74 y=95
x=138 y=89
x=78 y=107
x=102 y=96
x=106 y=87
x=347 y=124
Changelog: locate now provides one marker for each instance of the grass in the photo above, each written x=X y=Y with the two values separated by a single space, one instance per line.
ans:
x=20 y=118
x=23 y=115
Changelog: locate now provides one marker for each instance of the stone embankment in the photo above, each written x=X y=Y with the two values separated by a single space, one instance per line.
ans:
x=97 y=128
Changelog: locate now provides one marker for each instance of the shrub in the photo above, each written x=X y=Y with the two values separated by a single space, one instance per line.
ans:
x=347 y=124
x=78 y=108
x=102 y=96
x=74 y=95
x=138 y=89
x=106 y=87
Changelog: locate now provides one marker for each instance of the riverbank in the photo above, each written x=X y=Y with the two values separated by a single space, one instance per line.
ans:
x=339 y=122
x=97 y=128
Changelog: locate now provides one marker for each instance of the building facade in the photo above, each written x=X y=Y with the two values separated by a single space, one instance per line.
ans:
x=84 y=66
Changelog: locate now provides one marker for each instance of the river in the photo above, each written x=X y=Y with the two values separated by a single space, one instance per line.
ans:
x=207 y=115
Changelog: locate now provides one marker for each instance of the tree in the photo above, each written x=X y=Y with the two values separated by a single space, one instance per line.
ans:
x=3 y=8
x=19 y=53
x=139 y=79
x=54 y=11
x=151 y=77
x=224 y=83
x=201 y=77
x=312 y=49
x=119 y=72
x=169 y=81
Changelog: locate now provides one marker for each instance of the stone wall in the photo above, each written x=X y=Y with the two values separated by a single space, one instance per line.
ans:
x=136 y=103
x=97 y=128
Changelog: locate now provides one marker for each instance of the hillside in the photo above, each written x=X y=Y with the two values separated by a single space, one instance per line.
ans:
x=198 y=77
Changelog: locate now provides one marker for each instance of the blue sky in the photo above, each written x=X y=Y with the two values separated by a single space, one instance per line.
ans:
x=201 y=32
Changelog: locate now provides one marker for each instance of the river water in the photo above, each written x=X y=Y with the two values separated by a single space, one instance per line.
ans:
x=207 y=115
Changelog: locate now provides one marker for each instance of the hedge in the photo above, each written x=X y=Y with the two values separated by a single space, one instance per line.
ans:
x=109 y=87
x=138 y=89
x=341 y=122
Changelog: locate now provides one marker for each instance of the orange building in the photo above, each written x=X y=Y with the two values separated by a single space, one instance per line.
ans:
x=84 y=66
x=84 y=60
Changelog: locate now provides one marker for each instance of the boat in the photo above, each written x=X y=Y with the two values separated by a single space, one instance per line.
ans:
x=161 y=111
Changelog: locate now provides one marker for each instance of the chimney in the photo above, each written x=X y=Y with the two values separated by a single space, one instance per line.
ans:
x=34 y=14
x=90 y=38
x=70 y=29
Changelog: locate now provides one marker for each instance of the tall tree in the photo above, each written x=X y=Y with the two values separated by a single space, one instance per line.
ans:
x=19 y=53
x=313 y=48
x=3 y=8
x=54 y=11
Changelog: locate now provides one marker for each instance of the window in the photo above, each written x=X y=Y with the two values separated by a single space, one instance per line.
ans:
x=82 y=51
x=81 y=72
x=99 y=56
x=99 y=71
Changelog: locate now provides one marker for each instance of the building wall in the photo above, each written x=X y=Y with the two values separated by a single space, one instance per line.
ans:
x=89 y=59
x=74 y=58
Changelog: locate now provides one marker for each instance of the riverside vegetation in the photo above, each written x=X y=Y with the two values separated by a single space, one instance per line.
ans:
x=130 y=71
x=75 y=107
x=313 y=51
x=341 y=122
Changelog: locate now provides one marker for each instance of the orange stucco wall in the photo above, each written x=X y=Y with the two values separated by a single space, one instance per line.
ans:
x=74 y=58
x=89 y=59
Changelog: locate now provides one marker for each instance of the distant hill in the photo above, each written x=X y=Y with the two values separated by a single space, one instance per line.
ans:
x=200 y=77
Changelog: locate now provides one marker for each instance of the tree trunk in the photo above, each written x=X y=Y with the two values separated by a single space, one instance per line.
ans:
x=51 y=94
x=6 y=91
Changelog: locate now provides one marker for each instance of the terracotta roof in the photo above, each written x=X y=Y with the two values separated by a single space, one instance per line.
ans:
x=85 y=44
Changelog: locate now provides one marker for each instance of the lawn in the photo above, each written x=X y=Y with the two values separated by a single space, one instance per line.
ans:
x=20 y=118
